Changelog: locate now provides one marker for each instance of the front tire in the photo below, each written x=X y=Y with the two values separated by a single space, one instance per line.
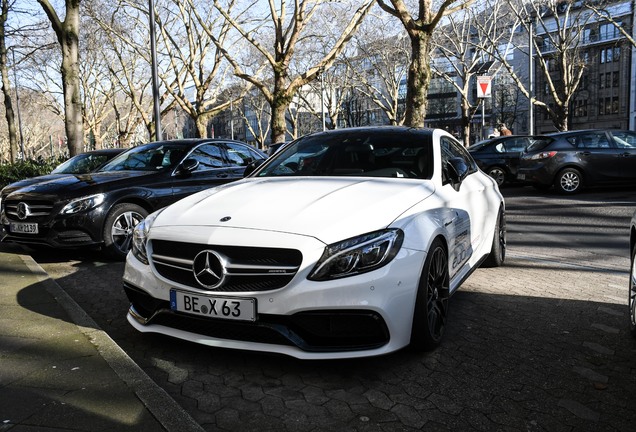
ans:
x=497 y=254
x=119 y=226
x=569 y=181
x=632 y=294
x=431 y=304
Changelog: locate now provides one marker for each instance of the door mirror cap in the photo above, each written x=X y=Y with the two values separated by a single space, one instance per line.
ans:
x=457 y=171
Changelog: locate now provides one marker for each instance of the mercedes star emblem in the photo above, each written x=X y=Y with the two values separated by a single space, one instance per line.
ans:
x=24 y=210
x=209 y=269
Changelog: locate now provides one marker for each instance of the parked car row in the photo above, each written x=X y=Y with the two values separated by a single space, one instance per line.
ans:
x=565 y=161
x=345 y=243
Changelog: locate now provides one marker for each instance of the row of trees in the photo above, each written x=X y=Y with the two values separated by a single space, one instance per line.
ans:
x=95 y=72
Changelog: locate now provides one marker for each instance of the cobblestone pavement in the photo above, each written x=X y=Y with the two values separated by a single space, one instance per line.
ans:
x=540 y=344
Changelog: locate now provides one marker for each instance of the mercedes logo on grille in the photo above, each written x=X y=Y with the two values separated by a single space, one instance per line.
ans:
x=24 y=211
x=209 y=269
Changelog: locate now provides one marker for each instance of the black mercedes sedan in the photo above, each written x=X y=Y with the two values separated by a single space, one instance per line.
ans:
x=102 y=208
x=570 y=161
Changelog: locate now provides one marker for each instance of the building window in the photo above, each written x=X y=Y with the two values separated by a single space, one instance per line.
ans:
x=609 y=31
x=580 y=108
x=610 y=55
x=608 y=105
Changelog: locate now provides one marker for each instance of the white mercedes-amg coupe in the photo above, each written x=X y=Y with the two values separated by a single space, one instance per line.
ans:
x=345 y=243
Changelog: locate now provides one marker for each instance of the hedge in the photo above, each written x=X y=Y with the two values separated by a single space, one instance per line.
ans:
x=10 y=173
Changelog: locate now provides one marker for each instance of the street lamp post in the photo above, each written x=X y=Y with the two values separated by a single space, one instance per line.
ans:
x=231 y=116
x=530 y=76
x=155 y=81
x=322 y=97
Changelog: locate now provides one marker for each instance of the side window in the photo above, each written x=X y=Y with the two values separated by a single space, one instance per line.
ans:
x=625 y=139
x=516 y=145
x=592 y=140
x=239 y=155
x=209 y=157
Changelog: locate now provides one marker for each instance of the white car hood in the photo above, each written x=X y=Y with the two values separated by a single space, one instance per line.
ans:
x=327 y=208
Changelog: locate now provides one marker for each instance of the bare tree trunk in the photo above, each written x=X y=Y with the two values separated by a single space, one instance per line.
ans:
x=201 y=122
x=419 y=78
x=466 y=122
x=280 y=103
x=67 y=33
x=6 y=86
x=8 y=104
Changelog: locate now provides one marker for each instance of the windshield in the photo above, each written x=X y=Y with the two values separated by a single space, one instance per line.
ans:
x=148 y=157
x=81 y=164
x=370 y=153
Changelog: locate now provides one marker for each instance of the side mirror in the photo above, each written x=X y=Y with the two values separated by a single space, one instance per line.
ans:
x=457 y=171
x=187 y=166
x=251 y=167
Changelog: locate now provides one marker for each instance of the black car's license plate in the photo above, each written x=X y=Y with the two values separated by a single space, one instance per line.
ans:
x=242 y=309
x=23 y=228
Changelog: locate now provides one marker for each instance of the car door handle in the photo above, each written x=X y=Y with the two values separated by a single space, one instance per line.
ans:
x=626 y=154
x=223 y=175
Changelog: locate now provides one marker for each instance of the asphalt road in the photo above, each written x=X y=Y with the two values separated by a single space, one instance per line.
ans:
x=540 y=344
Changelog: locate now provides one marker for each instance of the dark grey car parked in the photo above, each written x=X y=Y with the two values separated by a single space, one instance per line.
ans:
x=572 y=160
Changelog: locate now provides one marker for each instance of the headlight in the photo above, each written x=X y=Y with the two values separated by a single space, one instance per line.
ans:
x=83 y=204
x=358 y=255
x=140 y=237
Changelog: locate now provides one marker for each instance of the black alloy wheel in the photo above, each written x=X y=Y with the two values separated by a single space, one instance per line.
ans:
x=497 y=254
x=431 y=305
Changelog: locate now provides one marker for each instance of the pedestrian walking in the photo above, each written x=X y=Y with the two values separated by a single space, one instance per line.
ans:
x=503 y=130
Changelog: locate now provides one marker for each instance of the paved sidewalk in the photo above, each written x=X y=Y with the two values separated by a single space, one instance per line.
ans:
x=60 y=372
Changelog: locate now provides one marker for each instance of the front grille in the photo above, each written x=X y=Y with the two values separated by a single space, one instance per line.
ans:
x=36 y=208
x=246 y=268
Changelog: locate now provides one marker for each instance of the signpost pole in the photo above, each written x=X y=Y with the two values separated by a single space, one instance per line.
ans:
x=484 y=86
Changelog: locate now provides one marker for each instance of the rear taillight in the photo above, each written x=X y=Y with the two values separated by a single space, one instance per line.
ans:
x=542 y=155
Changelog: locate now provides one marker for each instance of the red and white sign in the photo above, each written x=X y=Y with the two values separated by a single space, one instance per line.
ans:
x=484 y=86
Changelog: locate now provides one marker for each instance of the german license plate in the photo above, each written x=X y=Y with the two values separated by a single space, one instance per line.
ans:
x=233 y=308
x=24 y=228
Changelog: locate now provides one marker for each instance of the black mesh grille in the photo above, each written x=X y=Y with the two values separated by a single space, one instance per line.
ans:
x=177 y=269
